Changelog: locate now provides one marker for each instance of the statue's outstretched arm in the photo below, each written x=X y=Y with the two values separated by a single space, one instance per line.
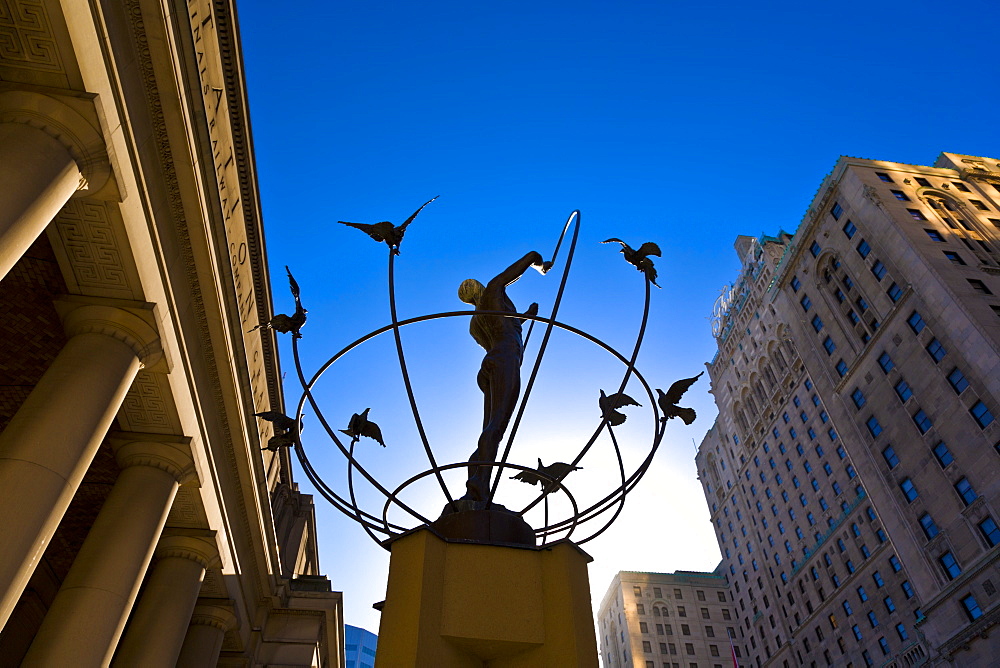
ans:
x=516 y=270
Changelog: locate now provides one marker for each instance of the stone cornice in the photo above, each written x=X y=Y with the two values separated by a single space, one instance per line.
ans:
x=218 y=615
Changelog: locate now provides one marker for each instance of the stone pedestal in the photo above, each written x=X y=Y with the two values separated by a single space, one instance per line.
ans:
x=467 y=605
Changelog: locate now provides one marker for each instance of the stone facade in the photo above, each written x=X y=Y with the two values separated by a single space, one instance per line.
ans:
x=666 y=620
x=144 y=525
x=853 y=473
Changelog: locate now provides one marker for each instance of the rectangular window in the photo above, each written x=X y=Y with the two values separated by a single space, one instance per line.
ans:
x=960 y=186
x=903 y=390
x=908 y=488
x=934 y=235
x=954 y=257
x=885 y=362
x=829 y=345
x=895 y=292
x=916 y=322
x=842 y=368
x=864 y=249
x=878 y=269
x=814 y=249
x=916 y=215
x=839 y=294
x=971 y=608
x=957 y=380
x=922 y=181
x=858 y=397
x=922 y=421
x=890 y=456
x=806 y=302
x=849 y=229
x=874 y=428
x=901 y=632
x=936 y=350
x=908 y=589
x=979 y=286
x=964 y=489
x=884 y=177
x=943 y=455
x=979 y=205
x=836 y=211
x=795 y=283
x=817 y=323
x=990 y=531
x=949 y=565
x=981 y=414
x=877 y=577
x=895 y=563
x=928 y=525
x=900 y=195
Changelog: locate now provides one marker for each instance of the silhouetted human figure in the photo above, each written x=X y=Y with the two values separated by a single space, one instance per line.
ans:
x=500 y=375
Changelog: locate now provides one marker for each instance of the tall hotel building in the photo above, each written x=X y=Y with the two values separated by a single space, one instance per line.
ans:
x=853 y=474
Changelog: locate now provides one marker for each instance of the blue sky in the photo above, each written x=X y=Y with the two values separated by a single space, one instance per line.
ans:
x=680 y=123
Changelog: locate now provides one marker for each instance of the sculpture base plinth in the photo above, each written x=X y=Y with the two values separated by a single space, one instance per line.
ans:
x=467 y=605
x=495 y=526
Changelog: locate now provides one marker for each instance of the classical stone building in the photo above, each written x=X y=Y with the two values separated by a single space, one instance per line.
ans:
x=142 y=525
x=666 y=620
x=853 y=474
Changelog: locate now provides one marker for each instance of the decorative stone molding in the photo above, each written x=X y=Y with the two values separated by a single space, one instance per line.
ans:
x=197 y=546
x=58 y=120
x=217 y=615
x=170 y=454
x=132 y=323
x=27 y=37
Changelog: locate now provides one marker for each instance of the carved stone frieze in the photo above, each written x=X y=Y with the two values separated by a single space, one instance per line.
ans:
x=88 y=239
x=148 y=406
x=26 y=38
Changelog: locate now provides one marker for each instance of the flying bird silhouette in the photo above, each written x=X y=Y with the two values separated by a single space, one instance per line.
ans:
x=288 y=323
x=610 y=404
x=555 y=471
x=278 y=419
x=639 y=258
x=286 y=432
x=386 y=231
x=668 y=401
x=360 y=426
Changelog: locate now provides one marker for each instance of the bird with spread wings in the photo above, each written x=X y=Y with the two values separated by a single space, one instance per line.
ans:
x=360 y=425
x=288 y=323
x=385 y=231
x=668 y=402
x=639 y=258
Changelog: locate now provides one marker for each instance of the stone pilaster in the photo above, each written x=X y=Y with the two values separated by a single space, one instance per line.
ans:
x=161 y=619
x=86 y=618
x=50 y=442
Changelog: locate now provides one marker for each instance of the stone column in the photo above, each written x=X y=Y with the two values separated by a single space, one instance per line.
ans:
x=48 y=152
x=203 y=641
x=161 y=619
x=86 y=618
x=49 y=444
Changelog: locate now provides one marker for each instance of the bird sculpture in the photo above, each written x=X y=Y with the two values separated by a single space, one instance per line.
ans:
x=288 y=323
x=640 y=258
x=360 y=426
x=286 y=431
x=668 y=402
x=609 y=406
x=553 y=471
x=386 y=231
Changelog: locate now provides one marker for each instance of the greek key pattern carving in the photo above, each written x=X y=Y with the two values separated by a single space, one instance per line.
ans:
x=26 y=38
x=90 y=242
x=186 y=511
x=145 y=409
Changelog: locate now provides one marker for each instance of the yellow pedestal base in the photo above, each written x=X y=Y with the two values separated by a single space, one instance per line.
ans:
x=460 y=605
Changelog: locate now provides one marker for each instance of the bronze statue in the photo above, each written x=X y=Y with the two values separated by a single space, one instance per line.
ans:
x=500 y=375
x=385 y=231
x=639 y=258
x=668 y=401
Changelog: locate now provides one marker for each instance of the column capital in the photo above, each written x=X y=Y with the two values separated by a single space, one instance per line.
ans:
x=167 y=453
x=219 y=615
x=70 y=120
x=132 y=323
x=197 y=546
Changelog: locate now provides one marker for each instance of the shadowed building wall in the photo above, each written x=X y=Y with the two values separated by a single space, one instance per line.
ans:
x=143 y=524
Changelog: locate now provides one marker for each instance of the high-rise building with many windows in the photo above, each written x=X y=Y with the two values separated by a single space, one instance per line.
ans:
x=853 y=474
